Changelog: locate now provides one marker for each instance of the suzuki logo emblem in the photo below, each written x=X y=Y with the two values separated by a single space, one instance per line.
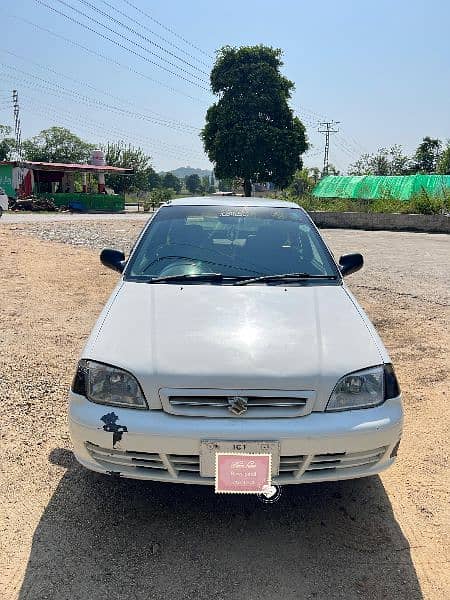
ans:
x=237 y=404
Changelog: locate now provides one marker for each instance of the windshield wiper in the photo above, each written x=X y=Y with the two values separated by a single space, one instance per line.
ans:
x=284 y=277
x=190 y=277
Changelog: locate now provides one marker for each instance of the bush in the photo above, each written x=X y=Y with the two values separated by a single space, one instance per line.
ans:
x=424 y=204
x=157 y=196
x=421 y=203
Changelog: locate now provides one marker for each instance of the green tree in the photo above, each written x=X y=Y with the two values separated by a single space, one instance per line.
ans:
x=193 y=183
x=332 y=170
x=157 y=197
x=251 y=132
x=6 y=143
x=171 y=181
x=443 y=166
x=226 y=184
x=301 y=183
x=315 y=173
x=385 y=161
x=370 y=164
x=120 y=155
x=427 y=155
x=206 y=186
x=154 y=180
x=57 y=144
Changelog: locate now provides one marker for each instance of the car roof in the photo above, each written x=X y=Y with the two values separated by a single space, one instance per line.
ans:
x=231 y=201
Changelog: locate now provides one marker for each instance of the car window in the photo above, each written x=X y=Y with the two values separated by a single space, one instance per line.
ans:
x=232 y=241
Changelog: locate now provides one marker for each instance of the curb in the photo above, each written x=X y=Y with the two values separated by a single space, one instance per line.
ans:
x=381 y=221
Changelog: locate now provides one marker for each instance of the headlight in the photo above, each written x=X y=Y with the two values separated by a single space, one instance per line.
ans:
x=364 y=389
x=108 y=385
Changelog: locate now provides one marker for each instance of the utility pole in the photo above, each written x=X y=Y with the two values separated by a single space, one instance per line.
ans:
x=329 y=128
x=18 y=138
x=17 y=128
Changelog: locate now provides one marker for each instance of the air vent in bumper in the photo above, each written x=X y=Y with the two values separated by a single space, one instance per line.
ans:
x=186 y=467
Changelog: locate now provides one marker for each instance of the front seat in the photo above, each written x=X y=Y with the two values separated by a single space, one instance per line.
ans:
x=269 y=252
x=192 y=235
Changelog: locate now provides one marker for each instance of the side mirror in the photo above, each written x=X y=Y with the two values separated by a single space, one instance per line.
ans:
x=113 y=259
x=350 y=263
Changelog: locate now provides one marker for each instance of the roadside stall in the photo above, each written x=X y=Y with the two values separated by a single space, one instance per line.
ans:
x=79 y=187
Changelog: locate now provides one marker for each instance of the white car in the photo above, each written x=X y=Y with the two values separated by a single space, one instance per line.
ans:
x=231 y=331
x=3 y=201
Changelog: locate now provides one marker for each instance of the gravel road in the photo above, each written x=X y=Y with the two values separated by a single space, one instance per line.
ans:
x=413 y=264
x=56 y=217
x=70 y=534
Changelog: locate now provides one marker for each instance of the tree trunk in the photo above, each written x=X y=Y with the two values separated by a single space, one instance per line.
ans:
x=247 y=188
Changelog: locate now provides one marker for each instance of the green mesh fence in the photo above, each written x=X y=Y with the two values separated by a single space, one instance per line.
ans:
x=87 y=202
x=372 y=187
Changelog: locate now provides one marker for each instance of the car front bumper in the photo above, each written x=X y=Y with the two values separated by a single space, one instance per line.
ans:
x=158 y=446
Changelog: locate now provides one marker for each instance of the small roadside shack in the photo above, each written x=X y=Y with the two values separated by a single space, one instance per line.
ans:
x=76 y=186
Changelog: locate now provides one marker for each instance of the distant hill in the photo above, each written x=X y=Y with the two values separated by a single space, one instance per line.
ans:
x=183 y=172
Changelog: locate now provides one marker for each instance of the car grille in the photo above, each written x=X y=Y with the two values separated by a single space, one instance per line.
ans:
x=341 y=461
x=216 y=403
x=153 y=463
x=186 y=467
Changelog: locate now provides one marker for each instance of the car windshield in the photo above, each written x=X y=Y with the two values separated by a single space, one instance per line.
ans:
x=229 y=241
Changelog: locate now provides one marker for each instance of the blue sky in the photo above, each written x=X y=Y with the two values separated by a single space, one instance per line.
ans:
x=380 y=68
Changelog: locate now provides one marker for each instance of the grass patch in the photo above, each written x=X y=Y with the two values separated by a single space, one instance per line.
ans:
x=421 y=203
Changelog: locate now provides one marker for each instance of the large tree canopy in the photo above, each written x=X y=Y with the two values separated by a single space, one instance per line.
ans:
x=427 y=155
x=193 y=183
x=443 y=166
x=57 y=144
x=251 y=132
x=122 y=155
x=390 y=161
x=171 y=181
x=428 y=158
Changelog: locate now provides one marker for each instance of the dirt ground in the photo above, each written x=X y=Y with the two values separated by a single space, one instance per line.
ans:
x=67 y=533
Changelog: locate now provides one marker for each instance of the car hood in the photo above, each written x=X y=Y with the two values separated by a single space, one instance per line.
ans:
x=295 y=337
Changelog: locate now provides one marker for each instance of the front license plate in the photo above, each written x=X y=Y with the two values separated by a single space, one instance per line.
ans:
x=238 y=473
x=209 y=449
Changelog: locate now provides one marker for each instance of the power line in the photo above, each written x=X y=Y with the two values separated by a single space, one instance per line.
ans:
x=94 y=123
x=106 y=58
x=351 y=143
x=170 y=122
x=85 y=26
x=328 y=129
x=59 y=89
x=351 y=153
x=125 y=47
x=100 y=133
x=143 y=26
x=355 y=148
x=121 y=35
x=93 y=127
x=46 y=105
x=114 y=20
x=174 y=33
